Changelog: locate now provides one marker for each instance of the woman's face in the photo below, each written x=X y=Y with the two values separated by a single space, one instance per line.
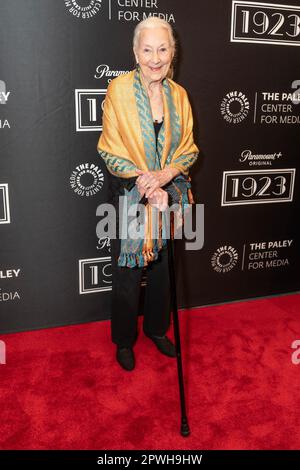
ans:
x=154 y=53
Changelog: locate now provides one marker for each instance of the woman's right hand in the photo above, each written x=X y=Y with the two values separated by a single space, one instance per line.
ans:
x=159 y=199
x=141 y=189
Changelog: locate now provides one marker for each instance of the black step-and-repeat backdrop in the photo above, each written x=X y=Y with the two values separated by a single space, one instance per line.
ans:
x=239 y=62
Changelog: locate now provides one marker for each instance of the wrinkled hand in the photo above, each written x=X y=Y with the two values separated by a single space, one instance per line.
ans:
x=149 y=181
x=159 y=199
x=141 y=190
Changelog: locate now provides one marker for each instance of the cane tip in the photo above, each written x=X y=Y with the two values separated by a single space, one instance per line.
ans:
x=185 y=430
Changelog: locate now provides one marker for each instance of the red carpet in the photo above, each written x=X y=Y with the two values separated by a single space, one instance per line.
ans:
x=61 y=388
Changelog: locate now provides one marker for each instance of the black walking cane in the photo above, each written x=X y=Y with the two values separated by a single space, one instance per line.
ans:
x=184 y=429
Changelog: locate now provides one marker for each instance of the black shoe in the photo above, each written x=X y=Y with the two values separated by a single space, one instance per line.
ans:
x=125 y=357
x=164 y=345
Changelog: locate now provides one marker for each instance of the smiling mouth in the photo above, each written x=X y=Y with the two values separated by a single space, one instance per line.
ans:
x=156 y=69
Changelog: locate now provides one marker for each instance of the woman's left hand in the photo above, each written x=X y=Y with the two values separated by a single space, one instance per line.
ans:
x=149 y=181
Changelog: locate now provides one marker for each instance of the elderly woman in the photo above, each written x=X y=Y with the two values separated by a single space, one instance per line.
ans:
x=148 y=148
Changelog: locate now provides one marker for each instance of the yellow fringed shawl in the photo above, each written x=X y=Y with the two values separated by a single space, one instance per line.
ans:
x=128 y=141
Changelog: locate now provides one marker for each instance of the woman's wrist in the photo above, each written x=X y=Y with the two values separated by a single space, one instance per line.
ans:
x=168 y=174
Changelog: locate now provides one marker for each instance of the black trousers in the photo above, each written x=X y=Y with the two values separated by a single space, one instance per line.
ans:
x=127 y=301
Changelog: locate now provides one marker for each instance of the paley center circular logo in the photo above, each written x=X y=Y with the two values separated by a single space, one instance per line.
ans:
x=224 y=259
x=87 y=179
x=235 y=107
x=83 y=9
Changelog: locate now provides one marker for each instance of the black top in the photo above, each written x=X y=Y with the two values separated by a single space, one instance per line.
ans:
x=157 y=126
x=117 y=184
